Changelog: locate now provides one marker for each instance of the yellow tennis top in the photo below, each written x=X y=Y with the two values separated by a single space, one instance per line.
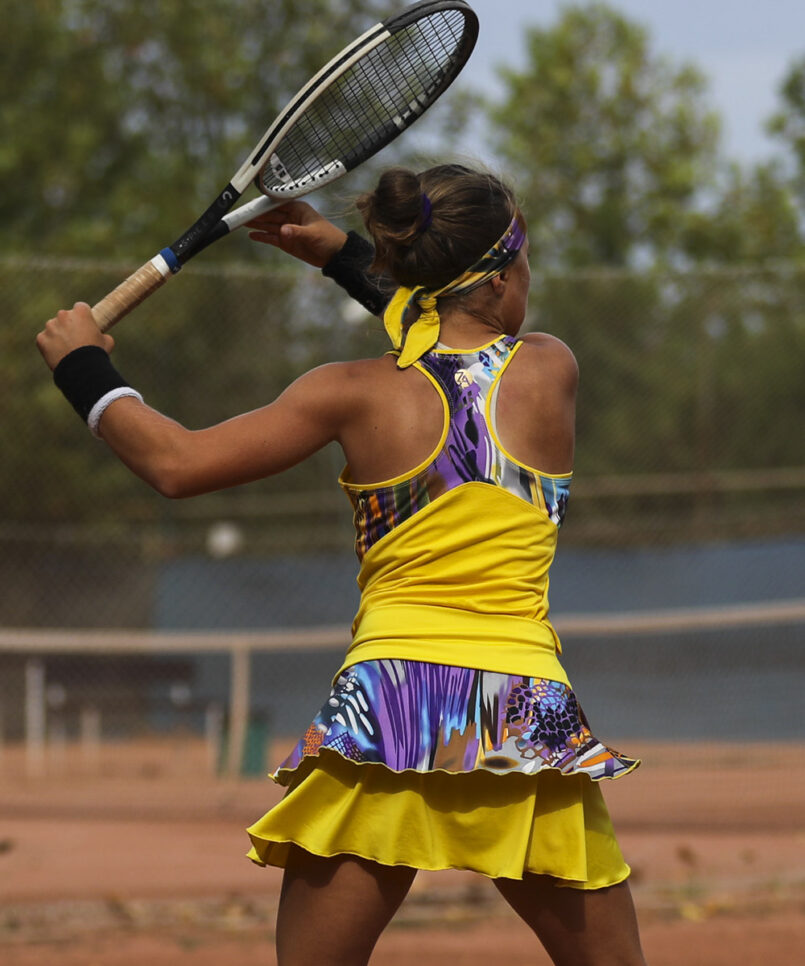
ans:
x=464 y=582
x=455 y=555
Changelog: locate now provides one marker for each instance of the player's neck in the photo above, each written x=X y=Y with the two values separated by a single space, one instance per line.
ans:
x=461 y=330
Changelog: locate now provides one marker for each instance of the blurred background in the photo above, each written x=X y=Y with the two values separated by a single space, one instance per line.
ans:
x=667 y=248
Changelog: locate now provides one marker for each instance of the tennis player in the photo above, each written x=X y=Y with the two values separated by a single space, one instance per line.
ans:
x=451 y=737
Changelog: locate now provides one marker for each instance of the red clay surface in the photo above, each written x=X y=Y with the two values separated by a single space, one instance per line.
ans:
x=140 y=860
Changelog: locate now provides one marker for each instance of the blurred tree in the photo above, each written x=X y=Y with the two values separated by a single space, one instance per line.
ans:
x=615 y=154
x=128 y=117
x=609 y=143
x=753 y=218
x=788 y=124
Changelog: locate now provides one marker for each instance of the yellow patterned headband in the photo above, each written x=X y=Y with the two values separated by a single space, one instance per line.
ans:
x=415 y=340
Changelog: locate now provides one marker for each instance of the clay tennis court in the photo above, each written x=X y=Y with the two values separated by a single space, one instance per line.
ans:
x=142 y=862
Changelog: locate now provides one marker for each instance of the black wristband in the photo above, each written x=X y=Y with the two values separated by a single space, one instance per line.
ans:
x=349 y=268
x=85 y=375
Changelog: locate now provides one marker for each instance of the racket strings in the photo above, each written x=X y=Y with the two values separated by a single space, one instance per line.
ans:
x=373 y=101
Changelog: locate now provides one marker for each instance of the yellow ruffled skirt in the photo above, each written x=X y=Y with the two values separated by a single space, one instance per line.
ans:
x=437 y=767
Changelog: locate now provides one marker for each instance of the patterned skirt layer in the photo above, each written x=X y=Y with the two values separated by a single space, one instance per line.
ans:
x=435 y=766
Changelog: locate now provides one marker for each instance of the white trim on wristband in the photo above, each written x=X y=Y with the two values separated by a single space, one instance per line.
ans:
x=100 y=407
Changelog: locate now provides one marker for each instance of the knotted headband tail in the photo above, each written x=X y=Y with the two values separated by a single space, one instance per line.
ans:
x=423 y=334
x=395 y=313
x=415 y=340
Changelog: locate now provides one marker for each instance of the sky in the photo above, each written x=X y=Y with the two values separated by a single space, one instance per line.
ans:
x=743 y=46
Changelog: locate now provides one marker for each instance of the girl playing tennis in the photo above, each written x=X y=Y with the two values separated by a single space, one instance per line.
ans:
x=451 y=737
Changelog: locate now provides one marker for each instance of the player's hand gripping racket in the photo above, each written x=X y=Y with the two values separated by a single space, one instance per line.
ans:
x=357 y=104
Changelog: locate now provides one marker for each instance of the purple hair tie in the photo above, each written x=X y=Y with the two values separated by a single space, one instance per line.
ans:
x=427 y=213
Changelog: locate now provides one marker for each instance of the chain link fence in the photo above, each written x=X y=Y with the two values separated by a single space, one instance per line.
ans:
x=687 y=512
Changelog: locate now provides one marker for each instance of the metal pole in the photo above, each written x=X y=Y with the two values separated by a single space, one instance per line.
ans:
x=213 y=730
x=238 y=708
x=35 y=718
x=90 y=731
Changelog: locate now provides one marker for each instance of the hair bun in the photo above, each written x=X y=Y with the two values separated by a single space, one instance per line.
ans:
x=394 y=211
x=469 y=210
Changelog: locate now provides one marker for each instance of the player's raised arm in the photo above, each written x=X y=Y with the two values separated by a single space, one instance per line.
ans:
x=174 y=460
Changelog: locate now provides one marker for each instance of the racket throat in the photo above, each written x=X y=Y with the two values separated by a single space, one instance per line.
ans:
x=203 y=231
x=278 y=183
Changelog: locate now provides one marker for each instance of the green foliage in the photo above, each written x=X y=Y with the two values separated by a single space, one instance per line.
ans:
x=754 y=220
x=128 y=117
x=788 y=124
x=682 y=371
x=608 y=143
x=651 y=252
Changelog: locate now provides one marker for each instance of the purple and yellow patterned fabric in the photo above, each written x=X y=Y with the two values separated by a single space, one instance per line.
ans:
x=411 y=715
x=470 y=452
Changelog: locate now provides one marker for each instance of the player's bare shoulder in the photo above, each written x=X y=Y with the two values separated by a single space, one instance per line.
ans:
x=349 y=385
x=551 y=359
x=361 y=375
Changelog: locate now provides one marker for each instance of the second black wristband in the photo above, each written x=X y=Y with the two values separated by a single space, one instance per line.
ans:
x=349 y=269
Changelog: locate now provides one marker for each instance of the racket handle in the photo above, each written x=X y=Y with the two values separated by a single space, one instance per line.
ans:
x=135 y=289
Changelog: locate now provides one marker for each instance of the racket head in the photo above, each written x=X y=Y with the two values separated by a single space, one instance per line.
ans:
x=365 y=97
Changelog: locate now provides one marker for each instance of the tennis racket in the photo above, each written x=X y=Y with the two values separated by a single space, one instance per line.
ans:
x=357 y=104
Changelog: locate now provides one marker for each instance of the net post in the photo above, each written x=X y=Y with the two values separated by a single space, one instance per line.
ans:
x=90 y=732
x=213 y=735
x=35 y=717
x=240 y=681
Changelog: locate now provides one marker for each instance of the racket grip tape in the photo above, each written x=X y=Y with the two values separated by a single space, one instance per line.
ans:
x=135 y=289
